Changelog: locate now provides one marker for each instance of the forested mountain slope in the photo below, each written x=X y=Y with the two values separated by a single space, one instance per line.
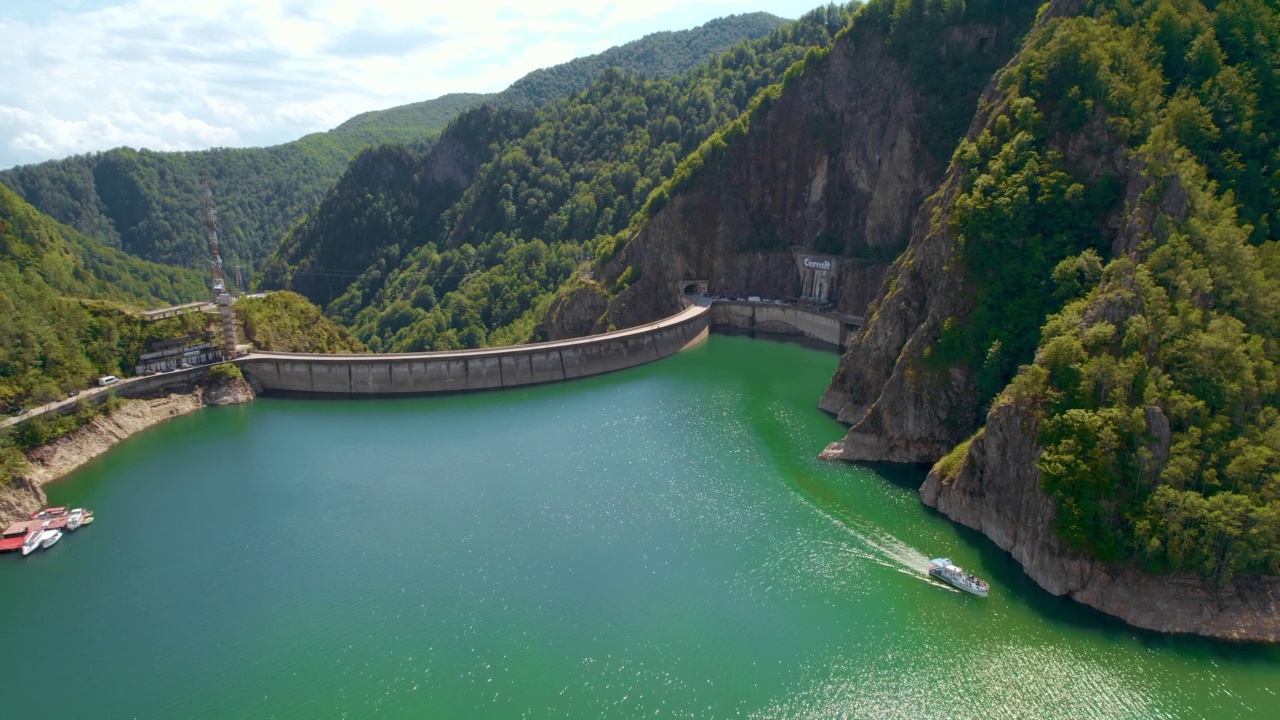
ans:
x=558 y=185
x=150 y=204
x=658 y=55
x=63 y=300
x=389 y=200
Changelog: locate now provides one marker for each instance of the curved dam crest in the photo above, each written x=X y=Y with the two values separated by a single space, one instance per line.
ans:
x=482 y=369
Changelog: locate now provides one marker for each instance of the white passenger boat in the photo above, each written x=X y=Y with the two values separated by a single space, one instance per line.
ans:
x=75 y=519
x=945 y=570
x=49 y=537
x=32 y=543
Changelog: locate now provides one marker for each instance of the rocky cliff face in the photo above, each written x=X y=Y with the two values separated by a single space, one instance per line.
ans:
x=838 y=165
x=996 y=490
x=24 y=494
x=900 y=409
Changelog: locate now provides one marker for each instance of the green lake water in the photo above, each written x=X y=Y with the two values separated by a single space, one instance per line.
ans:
x=653 y=543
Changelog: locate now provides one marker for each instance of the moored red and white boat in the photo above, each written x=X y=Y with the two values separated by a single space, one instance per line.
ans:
x=32 y=543
x=49 y=513
x=945 y=570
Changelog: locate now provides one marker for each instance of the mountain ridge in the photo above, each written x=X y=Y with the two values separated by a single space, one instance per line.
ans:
x=149 y=203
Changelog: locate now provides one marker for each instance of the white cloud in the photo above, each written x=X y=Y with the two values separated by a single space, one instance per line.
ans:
x=83 y=77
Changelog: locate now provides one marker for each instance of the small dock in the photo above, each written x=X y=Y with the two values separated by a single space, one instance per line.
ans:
x=16 y=534
x=26 y=526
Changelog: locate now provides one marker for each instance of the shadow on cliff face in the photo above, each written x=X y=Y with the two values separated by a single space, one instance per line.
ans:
x=904 y=475
x=803 y=341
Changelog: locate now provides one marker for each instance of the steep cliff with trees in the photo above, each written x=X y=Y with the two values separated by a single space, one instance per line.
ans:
x=1101 y=260
x=836 y=159
x=555 y=184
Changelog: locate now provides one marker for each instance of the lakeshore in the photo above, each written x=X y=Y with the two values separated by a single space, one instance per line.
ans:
x=25 y=493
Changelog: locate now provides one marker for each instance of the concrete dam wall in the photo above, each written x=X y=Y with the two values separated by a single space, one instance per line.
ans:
x=483 y=369
x=831 y=328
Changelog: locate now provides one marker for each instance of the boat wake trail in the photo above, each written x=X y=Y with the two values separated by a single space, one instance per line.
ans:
x=877 y=546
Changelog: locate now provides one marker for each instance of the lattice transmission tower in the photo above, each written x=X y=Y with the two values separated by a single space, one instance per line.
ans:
x=221 y=298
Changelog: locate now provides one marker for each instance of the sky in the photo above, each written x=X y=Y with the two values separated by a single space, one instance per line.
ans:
x=89 y=75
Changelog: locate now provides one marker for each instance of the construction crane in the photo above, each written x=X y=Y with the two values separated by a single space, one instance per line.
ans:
x=221 y=298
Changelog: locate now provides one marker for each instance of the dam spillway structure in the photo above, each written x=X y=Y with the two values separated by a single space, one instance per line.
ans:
x=222 y=299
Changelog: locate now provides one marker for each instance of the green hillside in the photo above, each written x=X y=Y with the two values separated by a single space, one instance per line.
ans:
x=64 y=306
x=150 y=204
x=1157 y=387
x=287 y=322
x=475 y=273
x=658 y=55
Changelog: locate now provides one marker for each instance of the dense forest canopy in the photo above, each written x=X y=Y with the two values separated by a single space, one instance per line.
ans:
x=1155 y=378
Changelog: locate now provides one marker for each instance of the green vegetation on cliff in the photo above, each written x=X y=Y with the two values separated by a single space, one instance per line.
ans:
x=1150 y=130
x=64 y=306
x=288 y=322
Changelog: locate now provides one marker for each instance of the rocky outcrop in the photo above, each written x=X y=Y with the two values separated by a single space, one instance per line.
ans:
x=233 y=392
x=24 y=493
x=996 y=490
x=575 y=313
x=838 y=164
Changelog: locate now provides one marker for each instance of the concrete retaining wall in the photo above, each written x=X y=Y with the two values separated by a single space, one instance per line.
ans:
x=149 y=386
x=485 y=369
x=785 y=319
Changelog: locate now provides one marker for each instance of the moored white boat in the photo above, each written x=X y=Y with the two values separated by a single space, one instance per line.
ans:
x=49 y=537
x=75 y=519
x=945 y=570
x=32 y=543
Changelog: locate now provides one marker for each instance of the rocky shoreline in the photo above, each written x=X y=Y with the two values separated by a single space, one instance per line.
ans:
x=996 y=491
x=25 y=493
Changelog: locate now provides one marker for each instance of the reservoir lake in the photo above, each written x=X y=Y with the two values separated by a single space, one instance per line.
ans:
x=659 y=542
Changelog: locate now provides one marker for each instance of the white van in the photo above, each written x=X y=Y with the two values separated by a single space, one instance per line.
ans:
x=107 y=380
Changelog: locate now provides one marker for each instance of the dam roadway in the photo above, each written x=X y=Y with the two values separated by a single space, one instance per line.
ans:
x=483 y=369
